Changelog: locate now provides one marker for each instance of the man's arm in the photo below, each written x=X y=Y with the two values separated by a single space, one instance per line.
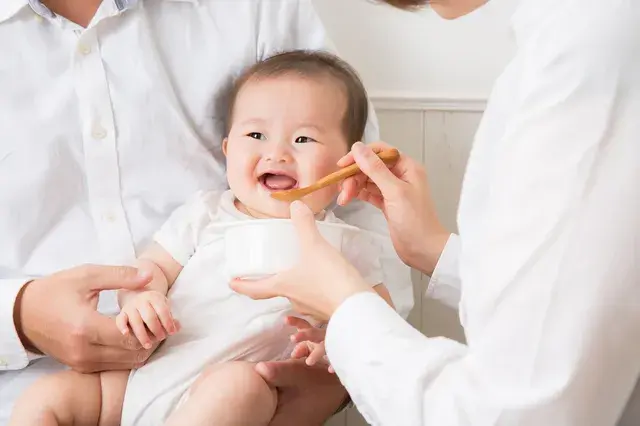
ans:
x=551 y=272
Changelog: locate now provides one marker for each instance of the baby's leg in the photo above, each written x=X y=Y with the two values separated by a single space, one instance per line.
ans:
x=229 y=394
x=71 y=398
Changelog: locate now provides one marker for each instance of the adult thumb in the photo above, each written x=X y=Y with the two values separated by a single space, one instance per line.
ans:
x=265 y=288
x=372 y=166
x=98 y=277
x=304 y=221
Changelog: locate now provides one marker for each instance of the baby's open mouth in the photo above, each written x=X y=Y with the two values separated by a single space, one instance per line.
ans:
x=277 y=182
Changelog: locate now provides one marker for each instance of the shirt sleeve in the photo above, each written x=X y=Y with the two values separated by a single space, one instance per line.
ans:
x=444 y=283
x=550 y=273
x=13 y=356
x=179 y=235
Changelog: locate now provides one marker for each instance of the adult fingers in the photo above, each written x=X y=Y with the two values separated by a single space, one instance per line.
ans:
x=109 y=358
x=102 y=330
x=375 y=200
x=297 y=322
x=376 y=147
x=350 y=188
x=101 y=277
x=375 y=168
x=266 y=288
x=305 y=223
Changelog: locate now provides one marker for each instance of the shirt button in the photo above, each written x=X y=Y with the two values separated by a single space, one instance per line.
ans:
x=38 y=17
x=110 y=217
x=3 y=362
x=83 y=49
x=99 y=133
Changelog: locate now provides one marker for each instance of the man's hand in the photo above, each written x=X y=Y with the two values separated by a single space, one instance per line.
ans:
x=306 y=395
x=57 y=316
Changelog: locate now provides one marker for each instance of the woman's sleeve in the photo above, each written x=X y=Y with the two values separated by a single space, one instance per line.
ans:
x=550 y=300
x=444 y=284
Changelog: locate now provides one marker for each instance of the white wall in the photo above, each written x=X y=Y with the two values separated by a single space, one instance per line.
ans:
x=419 y=54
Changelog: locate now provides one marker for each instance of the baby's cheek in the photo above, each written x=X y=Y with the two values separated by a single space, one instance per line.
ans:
x=320 y=199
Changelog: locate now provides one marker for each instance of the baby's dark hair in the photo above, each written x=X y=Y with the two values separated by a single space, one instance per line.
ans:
x=313 y=64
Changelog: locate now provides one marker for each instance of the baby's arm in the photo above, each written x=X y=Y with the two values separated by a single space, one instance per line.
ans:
x=161 y=264
x=383 y=292
x=148 y=309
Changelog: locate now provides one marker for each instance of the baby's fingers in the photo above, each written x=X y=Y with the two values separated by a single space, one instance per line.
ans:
x=317 y=354
x=314 y=335
x=122 y=322
x=301 y=350
x=151 y=320
x=139 y=329
x=164 y=315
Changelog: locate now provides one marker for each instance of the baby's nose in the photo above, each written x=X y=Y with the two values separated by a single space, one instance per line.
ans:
x=279 y=154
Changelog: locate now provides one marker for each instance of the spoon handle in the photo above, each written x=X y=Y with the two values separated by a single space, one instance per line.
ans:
x=388 y=156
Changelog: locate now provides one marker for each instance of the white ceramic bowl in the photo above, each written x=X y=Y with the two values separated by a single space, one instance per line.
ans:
x=258 y=248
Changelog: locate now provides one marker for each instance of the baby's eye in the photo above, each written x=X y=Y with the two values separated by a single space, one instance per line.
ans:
x=304 y=139
x=257 y=135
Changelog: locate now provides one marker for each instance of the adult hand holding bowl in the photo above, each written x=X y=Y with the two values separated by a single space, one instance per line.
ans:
x=308 y=267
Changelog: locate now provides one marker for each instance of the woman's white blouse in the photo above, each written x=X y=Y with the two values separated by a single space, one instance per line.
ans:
x=547 y=266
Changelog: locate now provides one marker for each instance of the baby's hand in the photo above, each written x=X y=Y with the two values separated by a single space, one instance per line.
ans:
x=310 y=342
x=144 y=312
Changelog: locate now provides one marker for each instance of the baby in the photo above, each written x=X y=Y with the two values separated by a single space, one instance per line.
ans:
x=291 y=117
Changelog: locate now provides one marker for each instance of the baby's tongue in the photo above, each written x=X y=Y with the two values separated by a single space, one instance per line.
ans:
x=279 y=182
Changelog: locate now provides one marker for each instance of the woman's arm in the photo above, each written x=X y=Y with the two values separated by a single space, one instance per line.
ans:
x=550 y=266
x=550 y=297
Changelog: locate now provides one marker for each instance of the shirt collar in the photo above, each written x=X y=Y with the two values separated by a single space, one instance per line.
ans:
x=8 y=8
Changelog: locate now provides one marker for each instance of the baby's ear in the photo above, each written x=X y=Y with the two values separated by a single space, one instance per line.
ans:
x=224 y=146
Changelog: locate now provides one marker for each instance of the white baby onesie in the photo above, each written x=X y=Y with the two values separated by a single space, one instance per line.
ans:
x=218 y=325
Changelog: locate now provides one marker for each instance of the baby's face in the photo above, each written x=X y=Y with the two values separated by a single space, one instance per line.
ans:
x=286 y=133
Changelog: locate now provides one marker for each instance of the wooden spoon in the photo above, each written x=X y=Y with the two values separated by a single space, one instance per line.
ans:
x=389 y=157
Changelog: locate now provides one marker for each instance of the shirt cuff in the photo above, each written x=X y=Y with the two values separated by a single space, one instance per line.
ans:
x=360 y=320
x=360 y=325
x=445 y=284
x=13 y=355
